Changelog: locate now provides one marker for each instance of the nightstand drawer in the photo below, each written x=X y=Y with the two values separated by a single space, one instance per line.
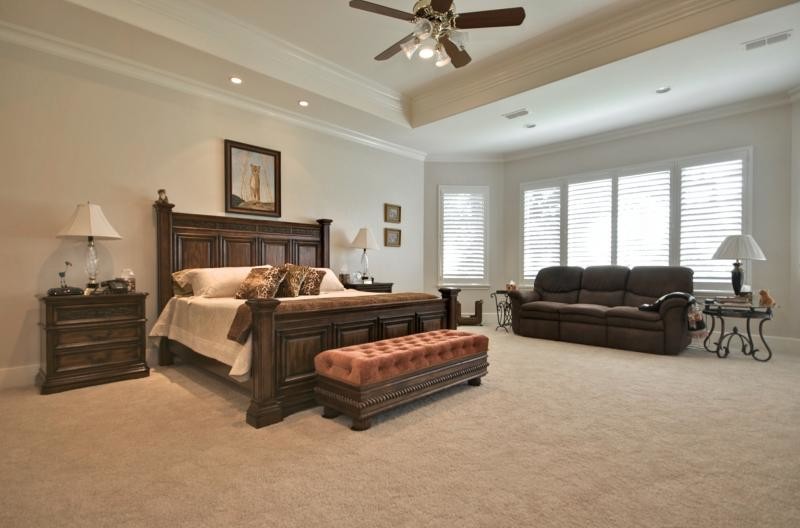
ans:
x=97 y=358
x=111 y=311
x=95 y=335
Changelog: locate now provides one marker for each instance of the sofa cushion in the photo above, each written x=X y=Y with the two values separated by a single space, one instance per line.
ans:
x=584 y=313
x=559 y=283
x=648 y=283
x=603 y=285
x=541 y=310
x=631 y=317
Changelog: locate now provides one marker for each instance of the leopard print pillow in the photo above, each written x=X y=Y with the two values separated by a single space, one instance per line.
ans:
x=290 y=287
x=261 y=283
x=312 y=282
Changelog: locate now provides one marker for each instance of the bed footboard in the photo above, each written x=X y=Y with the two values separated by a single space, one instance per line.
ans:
x=284 y=345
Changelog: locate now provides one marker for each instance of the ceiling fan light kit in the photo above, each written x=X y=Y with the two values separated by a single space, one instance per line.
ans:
x=438 y=21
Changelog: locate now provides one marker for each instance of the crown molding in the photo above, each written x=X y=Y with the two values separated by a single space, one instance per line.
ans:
x=465 y=158
x=207 y=29
x=577 y=48
x=711 y=114
x=96 y=58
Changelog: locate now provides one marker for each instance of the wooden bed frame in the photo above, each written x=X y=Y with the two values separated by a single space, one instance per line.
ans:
x=284 y=343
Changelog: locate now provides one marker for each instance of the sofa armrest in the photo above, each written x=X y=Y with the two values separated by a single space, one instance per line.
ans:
x=667 y=301
x=518 y=298
x=523 y=296
x=674 y=311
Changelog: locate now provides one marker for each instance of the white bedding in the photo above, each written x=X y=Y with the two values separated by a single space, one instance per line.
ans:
x=202 y=324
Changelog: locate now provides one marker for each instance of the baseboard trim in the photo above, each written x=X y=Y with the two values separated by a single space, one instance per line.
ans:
x=13 y=377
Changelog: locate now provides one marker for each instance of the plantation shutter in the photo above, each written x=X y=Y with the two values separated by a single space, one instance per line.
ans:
x=711 y=209
x=541 y=230
x=589 y=223
x=643 y=219
x=463 y=233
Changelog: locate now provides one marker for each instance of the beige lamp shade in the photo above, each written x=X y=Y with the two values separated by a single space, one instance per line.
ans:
x=88 y=220
x=739 y=247
x=364 y=240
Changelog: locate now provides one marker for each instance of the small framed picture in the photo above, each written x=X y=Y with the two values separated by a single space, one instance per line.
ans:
x=391 y=213
x=391 y=237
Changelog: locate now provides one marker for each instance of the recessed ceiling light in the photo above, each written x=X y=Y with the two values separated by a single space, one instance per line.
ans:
x=303 y=103
x=530 y=125
x=236 y=80
x=663 y=89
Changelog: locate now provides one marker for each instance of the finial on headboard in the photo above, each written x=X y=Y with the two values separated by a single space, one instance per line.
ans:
x=162 y=196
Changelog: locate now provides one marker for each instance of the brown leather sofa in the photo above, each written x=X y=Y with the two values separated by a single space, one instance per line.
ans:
x=600 y=305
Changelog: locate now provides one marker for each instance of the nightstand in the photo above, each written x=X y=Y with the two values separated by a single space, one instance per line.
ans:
x=91 y=339
x=375 y=287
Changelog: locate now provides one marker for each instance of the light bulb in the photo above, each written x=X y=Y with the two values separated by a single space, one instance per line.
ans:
x=426 y=53
x=442 y=58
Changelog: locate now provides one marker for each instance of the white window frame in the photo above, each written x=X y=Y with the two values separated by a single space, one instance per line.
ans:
x=474 y=189
x=674 y=166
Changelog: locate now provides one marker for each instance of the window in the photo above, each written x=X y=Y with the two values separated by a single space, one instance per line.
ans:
x=541 y=220
x=643 y=219
x=589 y=223
x=462 y=234
x=675 y=212
x=711 y=209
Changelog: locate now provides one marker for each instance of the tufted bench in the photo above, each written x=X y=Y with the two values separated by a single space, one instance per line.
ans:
x=363 y=380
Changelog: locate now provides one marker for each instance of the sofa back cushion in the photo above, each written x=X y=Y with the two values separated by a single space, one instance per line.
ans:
x=603 y=285
x=559 y=283
x=648 y=283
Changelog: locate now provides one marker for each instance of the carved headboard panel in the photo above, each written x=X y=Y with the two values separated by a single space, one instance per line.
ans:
x=202 y=241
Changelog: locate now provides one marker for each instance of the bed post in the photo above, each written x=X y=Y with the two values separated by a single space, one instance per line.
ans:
x=325 y=241
x=450 y=296
x=163 y=272
x=265 y=407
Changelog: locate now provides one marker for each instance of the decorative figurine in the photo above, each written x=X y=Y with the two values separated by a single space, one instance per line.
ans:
x=511 y=285
x=765 y=299
x=63 y=289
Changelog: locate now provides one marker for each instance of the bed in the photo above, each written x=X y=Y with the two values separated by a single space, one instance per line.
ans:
x=283 y=341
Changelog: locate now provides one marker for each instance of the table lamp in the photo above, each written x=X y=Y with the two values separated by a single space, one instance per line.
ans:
x=738 y=247
x=89 y=221
x=365 y=241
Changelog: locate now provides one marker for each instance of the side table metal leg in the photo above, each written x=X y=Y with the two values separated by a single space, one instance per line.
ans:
x=710 y=333
x=761 y=336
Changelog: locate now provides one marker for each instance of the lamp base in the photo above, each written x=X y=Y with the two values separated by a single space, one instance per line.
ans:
x=737 y=276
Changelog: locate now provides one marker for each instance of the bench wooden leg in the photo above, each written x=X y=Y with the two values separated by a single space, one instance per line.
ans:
x=361 y=424
x=329 y=413
x=475 y=382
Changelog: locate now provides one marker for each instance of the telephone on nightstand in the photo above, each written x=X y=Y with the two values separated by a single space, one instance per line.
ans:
x=115 y=286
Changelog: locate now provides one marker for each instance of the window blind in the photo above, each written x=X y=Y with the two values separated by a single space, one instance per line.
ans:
x=711 y=209
x=541 y=230
x=463 y=234
x=643 y=219
x=589 y=223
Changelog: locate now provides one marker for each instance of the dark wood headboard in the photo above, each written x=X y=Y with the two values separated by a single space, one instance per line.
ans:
x=204 y=241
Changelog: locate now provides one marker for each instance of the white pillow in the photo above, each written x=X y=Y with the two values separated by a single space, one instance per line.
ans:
x=213 y=282
x=330 y=282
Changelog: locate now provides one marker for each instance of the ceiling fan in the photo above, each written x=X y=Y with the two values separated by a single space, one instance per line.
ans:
x=438 y=29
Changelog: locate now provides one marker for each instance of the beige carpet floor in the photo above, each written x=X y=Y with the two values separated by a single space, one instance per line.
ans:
x=559 y=435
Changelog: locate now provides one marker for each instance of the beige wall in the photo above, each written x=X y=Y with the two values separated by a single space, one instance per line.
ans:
x=485 y=174
x=70 y=133
x=768 y=131
x=794 y=262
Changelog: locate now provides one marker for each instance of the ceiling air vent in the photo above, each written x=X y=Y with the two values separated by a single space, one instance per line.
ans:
x=516 y=113
x=768 y=40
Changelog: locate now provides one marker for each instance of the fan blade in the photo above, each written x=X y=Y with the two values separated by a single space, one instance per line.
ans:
x=494 y=18
x=458 y=57
x=381 y=10
x=393 y=49
x=442 y=6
